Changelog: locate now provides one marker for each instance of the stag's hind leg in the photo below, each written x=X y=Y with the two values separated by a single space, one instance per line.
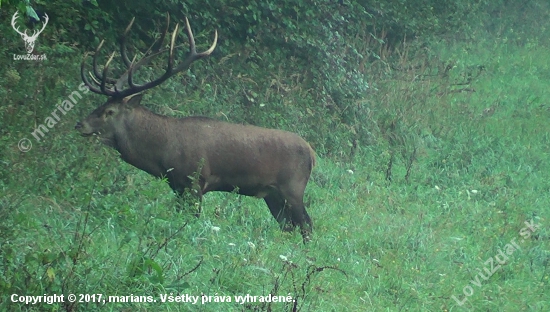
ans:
x=296 y=209
x=276 y=204
x=185 y=200
x=299 y=216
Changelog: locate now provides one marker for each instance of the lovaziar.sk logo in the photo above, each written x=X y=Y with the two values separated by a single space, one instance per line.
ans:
x=30 y=40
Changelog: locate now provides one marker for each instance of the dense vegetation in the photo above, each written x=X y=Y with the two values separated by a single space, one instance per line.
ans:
x=431 y=124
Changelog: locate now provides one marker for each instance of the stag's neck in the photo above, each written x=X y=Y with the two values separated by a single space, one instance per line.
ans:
x=142 y=140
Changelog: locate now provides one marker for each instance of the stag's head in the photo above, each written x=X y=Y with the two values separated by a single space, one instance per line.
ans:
x=29 y=40
x=105 y=120
x=124 y=94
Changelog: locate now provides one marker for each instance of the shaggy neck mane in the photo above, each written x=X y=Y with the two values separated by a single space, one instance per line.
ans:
x=141 y=139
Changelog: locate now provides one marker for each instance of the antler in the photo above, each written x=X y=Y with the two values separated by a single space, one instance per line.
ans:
x=113 y=87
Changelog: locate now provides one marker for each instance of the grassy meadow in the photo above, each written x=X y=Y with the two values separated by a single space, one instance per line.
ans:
x=443 y=205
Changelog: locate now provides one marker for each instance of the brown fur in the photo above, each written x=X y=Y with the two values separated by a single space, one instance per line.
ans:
x=266 y=163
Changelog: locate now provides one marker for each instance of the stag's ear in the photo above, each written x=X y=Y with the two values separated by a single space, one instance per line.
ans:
x=133 y=100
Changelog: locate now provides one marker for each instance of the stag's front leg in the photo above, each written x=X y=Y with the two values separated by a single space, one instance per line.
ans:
x=189 y=198
x=187 y=194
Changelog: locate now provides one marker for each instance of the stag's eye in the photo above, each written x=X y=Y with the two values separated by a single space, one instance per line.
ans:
x=109 y=112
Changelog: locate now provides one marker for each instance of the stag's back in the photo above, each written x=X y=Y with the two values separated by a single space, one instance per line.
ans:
x=249 y=149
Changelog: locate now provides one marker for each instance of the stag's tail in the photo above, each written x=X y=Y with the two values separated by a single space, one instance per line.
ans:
x=313 y=159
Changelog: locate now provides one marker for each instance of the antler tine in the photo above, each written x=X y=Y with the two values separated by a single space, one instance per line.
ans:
x=105 y=69
x=159 y=41
x=212 y=47
x=94 y=88
x=123 y=53
x=94 y=61
x=84 y=76
x=120 y=82
x=98 y=75
x=165 y=31
x=171 y=54
x=134 y=68
x=193 y=55
x=167 y=74
x=192 y=49
x=101 y=79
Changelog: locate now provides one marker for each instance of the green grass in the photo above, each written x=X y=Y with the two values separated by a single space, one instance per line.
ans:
x=76 y=219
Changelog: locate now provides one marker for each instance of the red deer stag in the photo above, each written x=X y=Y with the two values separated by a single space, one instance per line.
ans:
x=271 y=164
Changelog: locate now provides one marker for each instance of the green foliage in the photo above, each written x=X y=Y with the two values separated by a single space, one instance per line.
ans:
x=21 y=5
x=432 y=153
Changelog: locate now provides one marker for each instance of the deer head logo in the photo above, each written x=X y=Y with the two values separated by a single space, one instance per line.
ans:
x=29 y=40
